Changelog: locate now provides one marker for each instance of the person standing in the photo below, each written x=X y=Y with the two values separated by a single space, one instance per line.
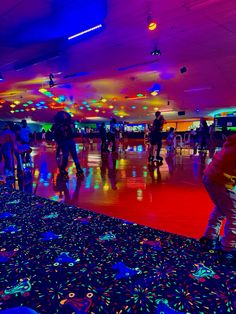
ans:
x=156 y=137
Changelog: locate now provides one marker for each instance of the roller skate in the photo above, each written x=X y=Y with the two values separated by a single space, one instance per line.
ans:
x=158 y=160
x=80 y=172
x=64 y=175
x=150 y=159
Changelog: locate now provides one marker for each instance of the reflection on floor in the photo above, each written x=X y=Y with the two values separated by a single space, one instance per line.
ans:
x=170 y=198
x=60 y=259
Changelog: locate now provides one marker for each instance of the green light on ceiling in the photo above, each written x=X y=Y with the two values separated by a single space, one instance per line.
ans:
x=25 y=105
x=139 y=95
x=145 y=107
x=93 y=101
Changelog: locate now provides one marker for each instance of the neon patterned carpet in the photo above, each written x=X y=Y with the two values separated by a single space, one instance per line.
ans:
x=61 y=259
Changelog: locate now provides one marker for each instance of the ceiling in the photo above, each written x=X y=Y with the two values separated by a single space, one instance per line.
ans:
x=99 y=75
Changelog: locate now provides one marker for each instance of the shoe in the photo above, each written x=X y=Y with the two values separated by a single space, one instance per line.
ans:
x=209 y=244
x=80 y=172
x=228 y=258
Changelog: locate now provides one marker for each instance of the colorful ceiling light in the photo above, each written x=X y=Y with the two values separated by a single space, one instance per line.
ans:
x=145 y=107
x=30 y=102
x=85 y=31
x=93 y=101
x=81 y=107
x=12 y=106
x=1 y=77
x=155 y=93
x=104 y=100
x=12 y=111
x=17 y=102
x=25 y=105
x=111 y=107
x=133 y=107
x=84 y=102
x=152 y=25
x=139 y=95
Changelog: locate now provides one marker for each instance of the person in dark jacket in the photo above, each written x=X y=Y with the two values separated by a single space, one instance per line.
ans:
x=64 y=136
x=156 y=137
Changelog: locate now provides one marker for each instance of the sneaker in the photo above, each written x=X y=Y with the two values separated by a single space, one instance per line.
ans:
x=228 y=258
x=209 y=244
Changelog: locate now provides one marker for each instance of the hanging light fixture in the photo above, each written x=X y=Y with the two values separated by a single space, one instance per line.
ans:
x=152 y=24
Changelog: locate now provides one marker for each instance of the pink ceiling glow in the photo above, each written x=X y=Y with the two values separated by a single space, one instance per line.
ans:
x=112 y=71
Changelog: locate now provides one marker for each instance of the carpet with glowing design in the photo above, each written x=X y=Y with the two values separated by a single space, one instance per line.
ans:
x=60 y=259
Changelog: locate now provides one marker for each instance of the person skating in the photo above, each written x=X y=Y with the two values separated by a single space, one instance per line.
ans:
x=103 y=136
x=220 y=181
x=112 y=135
x=156 y=138
x=64 y=134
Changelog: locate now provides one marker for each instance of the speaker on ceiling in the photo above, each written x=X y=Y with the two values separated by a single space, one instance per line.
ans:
x=181 y=113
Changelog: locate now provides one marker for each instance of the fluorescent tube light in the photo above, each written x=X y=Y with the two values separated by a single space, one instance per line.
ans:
x=85 y=32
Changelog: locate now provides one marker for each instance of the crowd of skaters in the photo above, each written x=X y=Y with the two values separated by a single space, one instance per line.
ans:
x=219 y=177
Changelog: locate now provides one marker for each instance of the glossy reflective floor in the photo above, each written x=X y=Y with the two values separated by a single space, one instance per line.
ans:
x=171 y=198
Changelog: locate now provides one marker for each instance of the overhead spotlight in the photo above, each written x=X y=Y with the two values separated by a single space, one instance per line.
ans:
x=1 y=77
x=152 y=25
x=183 y=70
x=103 y=99
x=51 y=82
x=155 y=93
x=156 y=52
